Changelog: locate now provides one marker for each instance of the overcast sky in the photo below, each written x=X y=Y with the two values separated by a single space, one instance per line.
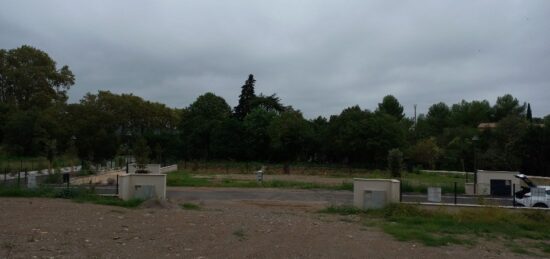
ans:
x=318 y=56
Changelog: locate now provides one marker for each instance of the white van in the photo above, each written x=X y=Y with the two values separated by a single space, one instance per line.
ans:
x=533 y=195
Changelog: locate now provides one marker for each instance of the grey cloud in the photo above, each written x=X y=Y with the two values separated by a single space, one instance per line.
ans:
x=319 y=56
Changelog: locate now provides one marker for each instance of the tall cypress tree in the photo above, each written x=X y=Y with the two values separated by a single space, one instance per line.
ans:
x=245 y=99
x=529 y=114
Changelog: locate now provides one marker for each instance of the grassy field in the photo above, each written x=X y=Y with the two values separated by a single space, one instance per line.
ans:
x=522 y=232
x=75 y=194
x=412 y=182
x=183 y=178
x=419 y=182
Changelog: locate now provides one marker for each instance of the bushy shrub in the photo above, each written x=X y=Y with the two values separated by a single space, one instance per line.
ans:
x=68 y=193
x=395 y=162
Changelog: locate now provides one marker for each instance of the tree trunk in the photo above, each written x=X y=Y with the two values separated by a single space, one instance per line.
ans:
x=286 y=168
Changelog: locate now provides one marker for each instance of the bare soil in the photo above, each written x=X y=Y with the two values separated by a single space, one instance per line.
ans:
x=54 y=228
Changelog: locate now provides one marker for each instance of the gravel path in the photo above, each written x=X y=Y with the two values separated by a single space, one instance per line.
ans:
x=292 y=195
x=326 y=197
x=53 y=228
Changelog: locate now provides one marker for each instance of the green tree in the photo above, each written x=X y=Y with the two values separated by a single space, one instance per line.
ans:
x=529 y=114
x=227 y=140
x=256 y=135
x=290 y=134
x=142 y=151
x=246 y=98
x=94 y=130
x=20 y=130
x=438 y=118
x=507 y=105
x=425 y=152
x=198 y=122
x=320 y=149
x=470 y=114
x=4 y=113
x=357 y=136
x=506 y=144
x=391 y=106
x=534 y=150
x=347 y=131
x=383 y=133
x=270 y=103
x=30 y=78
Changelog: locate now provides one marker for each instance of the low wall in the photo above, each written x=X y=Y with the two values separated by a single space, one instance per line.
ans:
x=168 y=169
x=372 y=187
x=152 y=168
x=129 y=185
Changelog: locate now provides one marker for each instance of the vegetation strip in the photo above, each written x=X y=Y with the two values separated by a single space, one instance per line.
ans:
x=75 y=194
x=411 y=182
x=190 y=206
x=440 y=228
x=184 y=179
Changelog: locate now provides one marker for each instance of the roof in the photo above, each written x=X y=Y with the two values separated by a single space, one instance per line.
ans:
x=501 y=172
x=487 y=125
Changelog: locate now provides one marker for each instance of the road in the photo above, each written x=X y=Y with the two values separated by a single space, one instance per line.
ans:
x=203 y=193
x=327 y=196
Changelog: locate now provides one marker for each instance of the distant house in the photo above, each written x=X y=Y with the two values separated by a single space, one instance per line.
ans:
x=487 y=126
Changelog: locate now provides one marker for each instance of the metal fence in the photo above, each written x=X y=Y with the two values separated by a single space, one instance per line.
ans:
x=531 y=197
x=55 y=181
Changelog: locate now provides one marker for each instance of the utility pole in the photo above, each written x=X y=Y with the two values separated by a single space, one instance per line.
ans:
x=415 y=116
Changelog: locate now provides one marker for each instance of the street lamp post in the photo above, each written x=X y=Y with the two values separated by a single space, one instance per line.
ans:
x=73 y=144
x=474 y=140
x=128 y=135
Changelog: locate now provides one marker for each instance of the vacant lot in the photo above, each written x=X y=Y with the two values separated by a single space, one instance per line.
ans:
x=233 y=229
x=412 y=182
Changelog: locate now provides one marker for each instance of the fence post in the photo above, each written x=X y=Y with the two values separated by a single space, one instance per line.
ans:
x=18 y=178
x=514 y=195
x=117 y=184
x=475 y=182
x=455 y=193
x=400 y=191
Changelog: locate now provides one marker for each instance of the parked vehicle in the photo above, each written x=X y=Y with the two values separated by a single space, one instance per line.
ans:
x=525 y=197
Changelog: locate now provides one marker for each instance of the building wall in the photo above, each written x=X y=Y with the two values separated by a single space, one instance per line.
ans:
x=484 y=181
x=127 y=185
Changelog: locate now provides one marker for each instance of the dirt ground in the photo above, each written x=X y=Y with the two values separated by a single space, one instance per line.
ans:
x=54 y=228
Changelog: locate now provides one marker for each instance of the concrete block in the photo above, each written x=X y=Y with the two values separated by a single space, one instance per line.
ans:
x=375 y=193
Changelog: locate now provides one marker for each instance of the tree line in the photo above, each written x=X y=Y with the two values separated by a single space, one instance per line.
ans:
x=37 y=120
